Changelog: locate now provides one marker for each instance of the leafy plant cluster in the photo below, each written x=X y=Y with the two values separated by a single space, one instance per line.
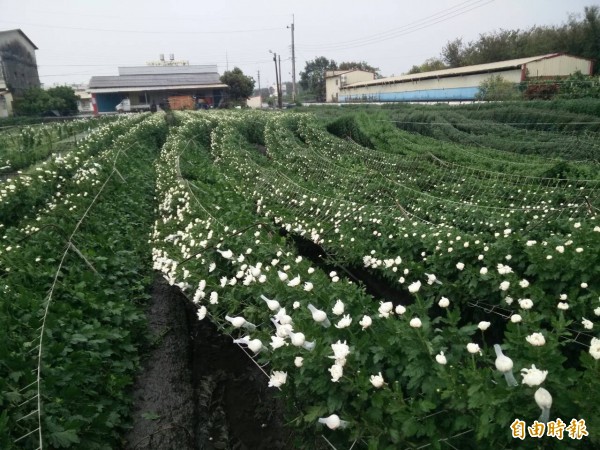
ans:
x=22 y=193
x=19 y=148
x=477 y=260
x=80 y=267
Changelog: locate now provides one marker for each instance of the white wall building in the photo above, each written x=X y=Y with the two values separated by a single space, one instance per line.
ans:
x=461 y=83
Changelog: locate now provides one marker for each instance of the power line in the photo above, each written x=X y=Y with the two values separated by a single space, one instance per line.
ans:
x=434 y=19
x=141 y=31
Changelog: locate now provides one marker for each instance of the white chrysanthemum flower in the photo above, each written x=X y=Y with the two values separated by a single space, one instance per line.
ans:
x=377 y=380
x=273 y=305
x=214 y=298
x=516 y=318
x=400 y=310
x=278 y=378
x=333 y=422
x=523 y=283
x=319 y=316
x=296 y=305
x=297 y=339
x=560 y=249
x=562 y=305
x=483 y=271
x=534 y=376
x=441 y=359
x=508 y=300
x=340 y=350
x=365 y=322
x=505 y=365
x=544 y=401
x=563 y=296
x=414 y=287
x=483 y=325
x=536 y=339
x=202 y=312
x=338 y=308
x=473 y=348
x=504 y=285
x=308 y=286
x=277 y=341
x=344 y=322
x=294 y=281
x=336 y=371
x=298 y=361
x=587 y=324
x=282 y=275
x=415 y=322
x=444 y=302
x=595 y=348
x=385 y=308
x=584 y=285
x=460 y=266
x=597 y=311
x=431 y=278
x=525 y=303
x=227 y=254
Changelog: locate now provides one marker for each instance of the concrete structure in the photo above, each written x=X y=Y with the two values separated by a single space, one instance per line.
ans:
x=18 y=68
x=337 y=79
x=154 y=84
x=84 y=101
x=461 y=83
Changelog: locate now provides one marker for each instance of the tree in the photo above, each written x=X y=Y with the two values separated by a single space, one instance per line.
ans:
x=362 y=65
x=240 y=85
x=453 y=53
x=37 y=101
x=428 y=66
x=312 y=78
x=496 y=88
x=65 y=99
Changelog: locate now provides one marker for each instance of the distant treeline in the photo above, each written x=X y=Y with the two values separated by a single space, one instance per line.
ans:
x=579 y=36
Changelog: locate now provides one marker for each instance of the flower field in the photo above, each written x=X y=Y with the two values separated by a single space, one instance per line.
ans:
x=409 y=277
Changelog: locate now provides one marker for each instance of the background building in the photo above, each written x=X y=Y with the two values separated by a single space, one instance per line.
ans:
x=18 y=68
x=154 y=84
x=337 y=79
x=461 y=83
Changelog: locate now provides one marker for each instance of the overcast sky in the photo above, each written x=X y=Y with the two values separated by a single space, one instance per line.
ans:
x=81 y=38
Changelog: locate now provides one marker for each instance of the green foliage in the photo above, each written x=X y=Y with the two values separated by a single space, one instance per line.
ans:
x=429 y=65
x=240 y=85
x=312 y=78
x=37 y=101
x=496 y=88
x=94 y=324
x=362 y=65
x=579 y=36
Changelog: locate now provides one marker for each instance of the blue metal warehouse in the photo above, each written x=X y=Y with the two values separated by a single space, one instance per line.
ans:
x=460 y=83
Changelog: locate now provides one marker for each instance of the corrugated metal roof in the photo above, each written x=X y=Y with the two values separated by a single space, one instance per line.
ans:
x=153 y=81
x=162 y=70
x=159 y=88
x=479 y=68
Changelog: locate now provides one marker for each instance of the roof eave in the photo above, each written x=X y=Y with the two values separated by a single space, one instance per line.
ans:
x=153 y=88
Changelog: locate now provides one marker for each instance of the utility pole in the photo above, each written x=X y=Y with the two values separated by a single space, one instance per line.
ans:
x=294 y=92
x=276 y=77
x=280 y=83
x=259 y=92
